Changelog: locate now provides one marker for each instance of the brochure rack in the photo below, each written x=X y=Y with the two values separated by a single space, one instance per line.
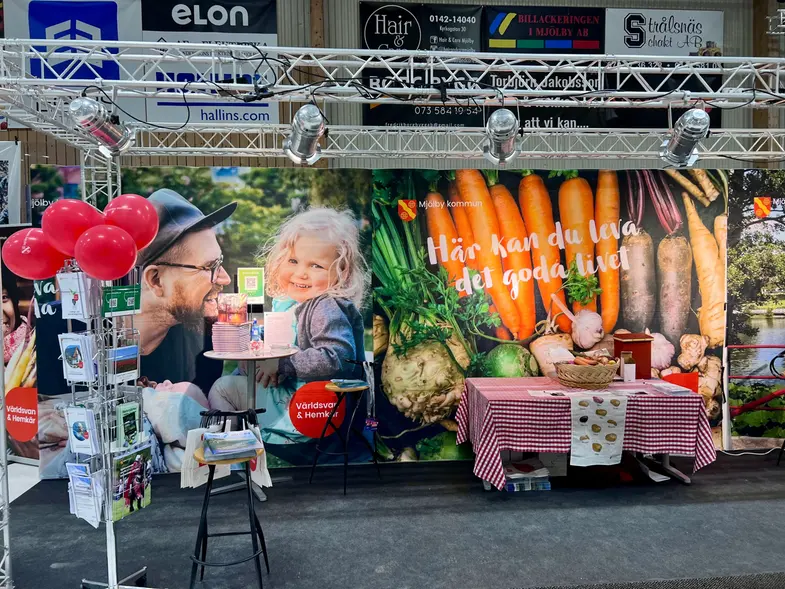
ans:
x=103 y=394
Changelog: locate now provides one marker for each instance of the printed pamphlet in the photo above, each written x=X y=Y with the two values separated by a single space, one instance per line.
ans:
x=82 y=431
x=128 y=424
x=131 y=476
x=78 y=351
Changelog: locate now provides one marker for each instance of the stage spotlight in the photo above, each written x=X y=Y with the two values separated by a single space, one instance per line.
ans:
x=502 y=142
x=302 y=146
x=682 y=147
x=93 y=118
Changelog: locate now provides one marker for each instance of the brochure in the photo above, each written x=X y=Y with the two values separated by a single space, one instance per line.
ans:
x=78 y=351
x=123 y=364
x=82 y=431
x=230 y=445
x=79 y=294
x=192 y=473
x=85 y=493
x=131 y=475
x=128 y=424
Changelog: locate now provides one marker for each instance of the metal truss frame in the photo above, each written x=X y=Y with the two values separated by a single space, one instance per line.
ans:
x=450 y=142
x=100 y=178
x=342 y=76
x=147 y=69
x=6 y=580
x=776 y=23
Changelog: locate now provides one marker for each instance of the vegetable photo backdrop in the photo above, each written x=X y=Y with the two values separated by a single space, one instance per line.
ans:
x=463 y=273
x=484 y=273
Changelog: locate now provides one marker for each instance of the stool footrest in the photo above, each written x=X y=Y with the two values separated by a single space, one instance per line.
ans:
x=226 y=564
x=331 y=453
x=222 y=534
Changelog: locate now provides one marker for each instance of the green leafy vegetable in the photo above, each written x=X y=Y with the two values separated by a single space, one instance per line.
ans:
x=581 y=289
x=563 y=174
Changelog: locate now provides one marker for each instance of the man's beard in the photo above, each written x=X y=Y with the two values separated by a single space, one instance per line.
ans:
x=190 y=318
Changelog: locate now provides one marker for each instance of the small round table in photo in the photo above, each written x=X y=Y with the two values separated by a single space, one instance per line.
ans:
x=268 y=357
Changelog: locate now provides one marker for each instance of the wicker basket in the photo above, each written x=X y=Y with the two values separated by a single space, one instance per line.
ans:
x=586 y=377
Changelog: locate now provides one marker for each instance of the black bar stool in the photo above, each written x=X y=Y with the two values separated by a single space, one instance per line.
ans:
x=257 y=535
x=357 y=394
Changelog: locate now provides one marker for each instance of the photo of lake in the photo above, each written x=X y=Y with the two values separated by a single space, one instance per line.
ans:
x=771 y=331
x=756 y=305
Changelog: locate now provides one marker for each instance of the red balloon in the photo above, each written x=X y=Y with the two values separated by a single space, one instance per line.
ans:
x=106 y=252
x=136 y=215
x=27 y=253
x=65 y=220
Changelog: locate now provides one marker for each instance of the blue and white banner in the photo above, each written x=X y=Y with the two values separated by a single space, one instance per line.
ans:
x=78 y=20
x=212 y=21
x=195 y=21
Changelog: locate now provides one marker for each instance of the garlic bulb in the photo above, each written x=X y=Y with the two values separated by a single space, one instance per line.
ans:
x=662 y=351
x=587 y=329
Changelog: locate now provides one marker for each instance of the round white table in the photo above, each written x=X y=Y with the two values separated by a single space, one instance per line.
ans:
x=268 y=356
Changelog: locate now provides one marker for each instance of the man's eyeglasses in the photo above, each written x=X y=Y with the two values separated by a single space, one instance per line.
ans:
x=212 y=268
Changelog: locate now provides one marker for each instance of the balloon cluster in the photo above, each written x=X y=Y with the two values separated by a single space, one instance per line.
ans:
x=104 y=244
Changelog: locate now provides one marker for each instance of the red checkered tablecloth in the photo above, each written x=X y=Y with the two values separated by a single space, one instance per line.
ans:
x=498 y=414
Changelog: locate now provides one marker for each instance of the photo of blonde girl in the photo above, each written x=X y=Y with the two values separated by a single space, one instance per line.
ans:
x=315 y=271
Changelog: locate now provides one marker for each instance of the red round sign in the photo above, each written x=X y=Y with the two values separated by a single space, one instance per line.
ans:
x=21 y=413
x=311 y=405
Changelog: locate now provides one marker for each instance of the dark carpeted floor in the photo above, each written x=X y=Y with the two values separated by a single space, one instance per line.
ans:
x=763 y=581
x=429 y=526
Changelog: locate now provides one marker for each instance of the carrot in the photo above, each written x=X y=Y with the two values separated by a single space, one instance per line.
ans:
x=512 y=228
x=440 y=224
x=501 y=332
x=685 y=183
x=711 y=315
x=706 y=184
x=576 y=209
x=674 y=274
x=638 y=282
x=607 y=212
x=484 y=224
x=462 y=225
x=537 y=212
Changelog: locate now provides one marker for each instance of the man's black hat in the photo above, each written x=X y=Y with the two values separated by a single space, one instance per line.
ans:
x=176 y=217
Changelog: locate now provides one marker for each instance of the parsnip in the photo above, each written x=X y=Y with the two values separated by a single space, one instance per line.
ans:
x=685 y=183
x=709 y=266
x=706 y=184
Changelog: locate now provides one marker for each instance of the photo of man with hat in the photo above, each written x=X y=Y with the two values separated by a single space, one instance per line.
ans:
x=182 y=274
